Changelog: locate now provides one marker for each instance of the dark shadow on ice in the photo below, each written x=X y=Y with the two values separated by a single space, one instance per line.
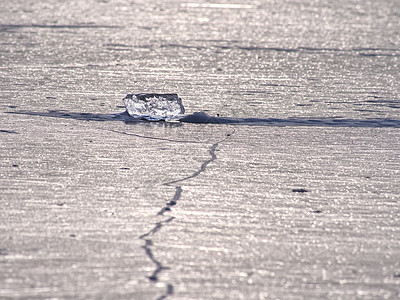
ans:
x=6 y=27
x=390 y=52
x=203 y=118
x=8 y=131
x=63 y=114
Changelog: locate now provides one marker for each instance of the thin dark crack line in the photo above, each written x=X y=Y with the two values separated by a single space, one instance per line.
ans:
x=155 y=138
x=150 y=255
x=149 y=252
x=204 y=165
x=167 y=207
x=156 y=228
x=178 y=191
x=201 y=170
x=173 y=202
x=170 y=291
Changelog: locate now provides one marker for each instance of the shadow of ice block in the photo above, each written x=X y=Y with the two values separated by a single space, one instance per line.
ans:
x=154 y=107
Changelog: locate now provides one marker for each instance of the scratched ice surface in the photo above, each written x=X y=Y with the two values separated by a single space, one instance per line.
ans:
x=154 y=107
x=286 y=188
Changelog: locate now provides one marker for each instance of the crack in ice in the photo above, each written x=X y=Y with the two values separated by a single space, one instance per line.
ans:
x=159 y=267
x=149 y=252
x=173 y=202
x=155 y=138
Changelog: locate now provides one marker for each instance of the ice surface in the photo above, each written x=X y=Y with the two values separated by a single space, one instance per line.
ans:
x=154 y=107
x=207 y=209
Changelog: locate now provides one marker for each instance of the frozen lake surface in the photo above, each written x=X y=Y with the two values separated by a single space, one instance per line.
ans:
x=281 y=182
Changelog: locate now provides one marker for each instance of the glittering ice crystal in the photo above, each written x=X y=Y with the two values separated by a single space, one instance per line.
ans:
x=154 y=107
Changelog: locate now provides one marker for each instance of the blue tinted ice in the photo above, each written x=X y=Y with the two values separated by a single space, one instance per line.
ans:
x=154 y=107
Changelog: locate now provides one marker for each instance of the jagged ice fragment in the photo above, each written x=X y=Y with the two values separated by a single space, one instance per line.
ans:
x=154 y=107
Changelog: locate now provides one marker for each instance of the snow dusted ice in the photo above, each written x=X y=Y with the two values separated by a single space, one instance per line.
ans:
x=286 y=185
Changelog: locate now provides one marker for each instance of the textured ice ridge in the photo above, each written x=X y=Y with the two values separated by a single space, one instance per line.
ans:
x=154 y=107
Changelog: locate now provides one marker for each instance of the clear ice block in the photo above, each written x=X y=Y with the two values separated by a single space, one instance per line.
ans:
x=154 y=107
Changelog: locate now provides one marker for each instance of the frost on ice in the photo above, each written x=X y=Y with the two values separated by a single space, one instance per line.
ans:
x=154 y=107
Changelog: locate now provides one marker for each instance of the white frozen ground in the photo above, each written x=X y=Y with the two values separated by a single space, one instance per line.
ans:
x=300 y=203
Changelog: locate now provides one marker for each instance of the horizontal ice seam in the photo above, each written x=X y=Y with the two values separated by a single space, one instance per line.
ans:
x=201 y=117
x=54 y=26
x=357 y=51
x=206 y=119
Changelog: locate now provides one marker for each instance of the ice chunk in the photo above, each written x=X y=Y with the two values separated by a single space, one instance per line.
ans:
x=154 y=107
